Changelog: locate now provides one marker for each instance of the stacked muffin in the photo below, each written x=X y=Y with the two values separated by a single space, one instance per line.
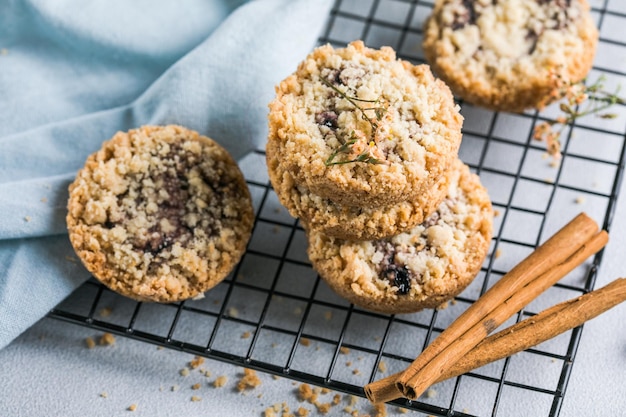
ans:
x=363 y=149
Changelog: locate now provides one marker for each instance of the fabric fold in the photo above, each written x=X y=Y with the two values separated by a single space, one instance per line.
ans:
x=220 y=88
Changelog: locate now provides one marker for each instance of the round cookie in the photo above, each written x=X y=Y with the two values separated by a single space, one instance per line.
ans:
x=159 y=213
x=353 y=223
x=362 y=128
x=510 y=55
x=419 y=269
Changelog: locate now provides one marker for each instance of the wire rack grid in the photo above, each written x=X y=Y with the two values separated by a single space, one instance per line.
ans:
x=293 y=325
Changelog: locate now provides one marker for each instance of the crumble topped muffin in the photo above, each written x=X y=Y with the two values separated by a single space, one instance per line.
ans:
x=361 y=128
x=504 y=54
x=350 y=222
x=418 y=269
x=159 y=213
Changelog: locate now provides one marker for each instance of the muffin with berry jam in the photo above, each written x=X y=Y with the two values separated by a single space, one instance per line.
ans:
x=361 y=128
x=159 y=213
x=510 y=55
x=422 y=268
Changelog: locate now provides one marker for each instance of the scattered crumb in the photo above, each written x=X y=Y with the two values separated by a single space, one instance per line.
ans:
x=195 y=398
x=356 y=372
x=382 y=367
x=233 y=312
x=174 y=388
x=260 y=395
x=106 y=312
x=496 y=213
x=305 y=393
x=27 y=218
x=44 y=200
x=431 y=393
x=353 y=400
x=90 y=343
x=305 y=341
x=104 y=394
x=196 y=386
x=328 y=315
x=347 y=409
x=549 y=180
x=349 y=363
x=359 y=358
x=554 y=163
x=344 y=350
x=107 y=339
x=273 y=345
x=466 y=410
x=132 y=407
x=275 y=377
x=297 y=311
x=580 y=200
x=206 y=373
x=377 y=338
x=249 y=380
x=245 y=335
x=325 y=390
x=220 y=381
x=381 y=410
x=402 y=410
x=184 y=372
x=196 y=362
x=453 y=301
x=336 y=399
x=498 y=253
x=302 y=412
x=323 y=408
x=275 y=229
x=269 y=412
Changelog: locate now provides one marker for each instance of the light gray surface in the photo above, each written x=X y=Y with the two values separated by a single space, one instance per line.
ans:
x=49 y=370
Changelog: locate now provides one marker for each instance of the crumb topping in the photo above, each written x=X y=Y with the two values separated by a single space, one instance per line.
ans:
x=357 y=113
x=162 y=204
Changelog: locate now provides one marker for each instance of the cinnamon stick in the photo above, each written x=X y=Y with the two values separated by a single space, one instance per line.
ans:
x=415 y=381
x=555 y=250
x=521 y=336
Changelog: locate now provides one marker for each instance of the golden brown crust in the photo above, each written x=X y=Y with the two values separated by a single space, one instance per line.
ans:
x=159 y=213
x=347 y=222
x=432 y=263
x=506 y=59
x=416 y=135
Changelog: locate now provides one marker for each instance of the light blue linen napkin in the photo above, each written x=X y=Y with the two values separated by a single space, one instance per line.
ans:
x=72 y=73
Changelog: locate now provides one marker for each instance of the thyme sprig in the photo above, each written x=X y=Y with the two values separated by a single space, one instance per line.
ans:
x=596 y=101
x=345 y=149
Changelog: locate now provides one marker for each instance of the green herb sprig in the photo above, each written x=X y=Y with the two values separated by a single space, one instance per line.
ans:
x=346 y=148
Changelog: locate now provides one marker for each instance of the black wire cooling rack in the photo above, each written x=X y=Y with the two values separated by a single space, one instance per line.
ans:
x=274 y=314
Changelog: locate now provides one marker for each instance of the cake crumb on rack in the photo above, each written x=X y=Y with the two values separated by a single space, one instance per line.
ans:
x=498 y=253
x=344 y=350
x=304 y=341
x=245 y=335
x=44 y=200
x=174 y=388
x=27 y=218
x=105 y=312
x=431 y=393
x=580 y=200
x=104 y=394
x=195 y=398
x=196 y=386
x=328 y=315
x=184 y=372
x=132 y=407
x=382 y=367
x=233 y=312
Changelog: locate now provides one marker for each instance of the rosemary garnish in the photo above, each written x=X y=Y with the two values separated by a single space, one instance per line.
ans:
x=575 y=94
x=347 y=147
